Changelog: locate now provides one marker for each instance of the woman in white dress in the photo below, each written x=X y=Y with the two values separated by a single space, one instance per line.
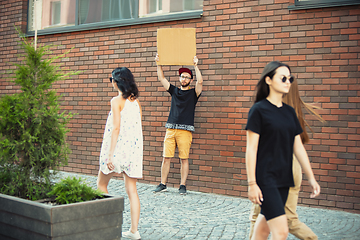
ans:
x=122 y=146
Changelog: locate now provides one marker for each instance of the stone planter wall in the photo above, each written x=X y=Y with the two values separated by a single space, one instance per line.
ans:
x=24 y=219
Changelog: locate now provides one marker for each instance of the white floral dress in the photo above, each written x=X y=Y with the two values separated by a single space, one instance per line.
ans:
x=128 y=154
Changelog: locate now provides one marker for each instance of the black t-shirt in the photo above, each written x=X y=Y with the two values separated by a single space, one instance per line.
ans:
x=277 y=128
x=182 y=109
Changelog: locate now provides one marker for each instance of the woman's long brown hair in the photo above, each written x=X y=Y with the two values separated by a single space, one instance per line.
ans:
x=293 y=99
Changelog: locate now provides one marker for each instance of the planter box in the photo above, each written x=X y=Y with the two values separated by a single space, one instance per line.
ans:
x=25 y=219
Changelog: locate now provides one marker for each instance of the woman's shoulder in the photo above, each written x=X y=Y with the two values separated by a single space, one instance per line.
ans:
x=290 y=110
x=260 y=104
x=138 y=102
x=288 y=107
x=118 y=101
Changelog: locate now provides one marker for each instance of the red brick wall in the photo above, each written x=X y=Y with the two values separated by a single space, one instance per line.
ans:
x=235 y=40
x=13 y=15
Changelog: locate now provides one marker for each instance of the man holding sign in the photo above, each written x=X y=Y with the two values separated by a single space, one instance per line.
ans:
x=180 y=124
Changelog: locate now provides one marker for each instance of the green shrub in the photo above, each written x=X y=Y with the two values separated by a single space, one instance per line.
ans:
x=71 y=190
x=32 y=125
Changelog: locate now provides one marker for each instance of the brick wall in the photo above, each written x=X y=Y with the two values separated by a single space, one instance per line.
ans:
x=235 y=40
x=13 y=15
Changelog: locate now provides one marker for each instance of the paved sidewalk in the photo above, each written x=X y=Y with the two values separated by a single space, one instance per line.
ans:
x=169 y=215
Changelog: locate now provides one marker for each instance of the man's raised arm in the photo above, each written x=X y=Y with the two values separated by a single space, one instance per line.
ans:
x=199 y=78
x=160 y=74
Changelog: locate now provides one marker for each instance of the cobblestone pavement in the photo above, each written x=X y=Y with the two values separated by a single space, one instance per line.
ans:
x=168 y=215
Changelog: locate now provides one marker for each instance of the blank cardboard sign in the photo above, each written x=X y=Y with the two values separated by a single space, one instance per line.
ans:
x=176 y=46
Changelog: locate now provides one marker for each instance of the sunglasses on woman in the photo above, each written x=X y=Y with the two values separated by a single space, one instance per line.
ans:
x=117 y=80
x=291 y=79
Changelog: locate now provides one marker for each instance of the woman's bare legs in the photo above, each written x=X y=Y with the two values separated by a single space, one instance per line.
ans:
x=103 y=181
x=277 y=226
x=131 y=190
x=261 y=229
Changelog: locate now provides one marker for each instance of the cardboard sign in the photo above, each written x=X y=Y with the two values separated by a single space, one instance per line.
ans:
x=176 y=46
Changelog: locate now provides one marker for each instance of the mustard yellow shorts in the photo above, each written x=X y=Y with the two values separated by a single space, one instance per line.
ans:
x=180 y=138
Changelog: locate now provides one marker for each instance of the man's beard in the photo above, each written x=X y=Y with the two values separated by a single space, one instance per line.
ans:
x=185 y=85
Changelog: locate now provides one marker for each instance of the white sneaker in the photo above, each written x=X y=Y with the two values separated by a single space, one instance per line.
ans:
x=131 y=235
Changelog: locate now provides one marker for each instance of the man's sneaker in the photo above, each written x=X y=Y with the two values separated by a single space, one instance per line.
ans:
x=131 y=235
x=182 y=190
x=160 y=188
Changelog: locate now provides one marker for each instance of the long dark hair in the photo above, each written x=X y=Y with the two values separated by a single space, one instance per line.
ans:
x=293 y=99
x=124 y=79
x=262 y=89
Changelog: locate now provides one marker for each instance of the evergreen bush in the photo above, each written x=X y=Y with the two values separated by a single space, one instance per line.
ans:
x=32 y=125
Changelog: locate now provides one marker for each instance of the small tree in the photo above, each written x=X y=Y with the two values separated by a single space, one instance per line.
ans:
x=32 y=126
